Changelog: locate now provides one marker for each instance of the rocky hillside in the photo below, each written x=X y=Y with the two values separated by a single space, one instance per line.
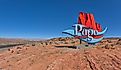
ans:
x=105 y=55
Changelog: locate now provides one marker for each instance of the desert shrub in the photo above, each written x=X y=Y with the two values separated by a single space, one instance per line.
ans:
x=33 y=44
x=119 y=40
x=109 y=41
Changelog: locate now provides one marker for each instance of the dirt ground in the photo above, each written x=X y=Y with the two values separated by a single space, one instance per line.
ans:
x=52 y=58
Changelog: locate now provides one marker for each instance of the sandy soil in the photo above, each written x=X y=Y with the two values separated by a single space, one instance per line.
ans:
x=51 y=58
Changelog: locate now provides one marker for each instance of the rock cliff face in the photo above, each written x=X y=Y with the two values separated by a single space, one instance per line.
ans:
x=89 y=21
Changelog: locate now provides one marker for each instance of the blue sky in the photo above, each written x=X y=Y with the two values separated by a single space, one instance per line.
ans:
x=48 y=18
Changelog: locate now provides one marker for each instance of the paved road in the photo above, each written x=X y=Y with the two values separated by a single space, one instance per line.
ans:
x=5 y=47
